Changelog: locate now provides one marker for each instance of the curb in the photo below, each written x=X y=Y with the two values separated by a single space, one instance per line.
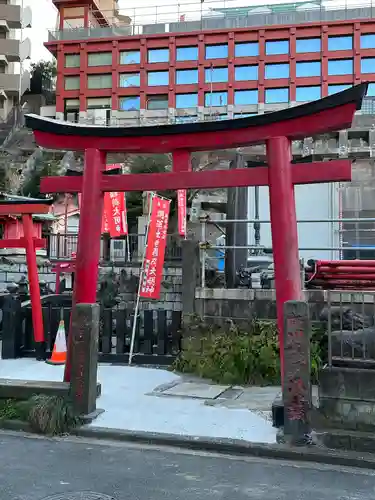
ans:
x=234 y=447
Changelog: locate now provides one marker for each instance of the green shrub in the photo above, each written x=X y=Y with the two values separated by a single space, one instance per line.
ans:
x=233 y=356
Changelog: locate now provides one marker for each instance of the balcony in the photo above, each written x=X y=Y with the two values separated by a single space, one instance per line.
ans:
x=10 y=49
x=11 y=14
x=10 y=84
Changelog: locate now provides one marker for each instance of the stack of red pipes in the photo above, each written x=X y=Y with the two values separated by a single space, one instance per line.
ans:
x=341 y=274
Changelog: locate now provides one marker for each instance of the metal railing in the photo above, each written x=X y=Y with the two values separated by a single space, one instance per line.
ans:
x=211 y=14
x=348 y=319
x=129 y=249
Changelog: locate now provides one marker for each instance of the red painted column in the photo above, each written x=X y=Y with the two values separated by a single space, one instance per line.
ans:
x=284 y=230
x=90 y=224
x=32 y=269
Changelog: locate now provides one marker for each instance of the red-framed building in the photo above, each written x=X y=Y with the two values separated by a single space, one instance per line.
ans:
x=226 y=72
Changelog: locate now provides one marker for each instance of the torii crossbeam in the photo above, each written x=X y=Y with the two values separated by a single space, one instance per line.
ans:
x=276 y=129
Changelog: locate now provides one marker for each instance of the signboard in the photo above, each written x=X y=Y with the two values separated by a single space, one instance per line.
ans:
x=115 y=211
x=181 y=205
x=155 y=249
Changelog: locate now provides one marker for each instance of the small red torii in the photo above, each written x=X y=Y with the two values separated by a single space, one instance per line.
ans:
x=26 y=207
x=276 y=129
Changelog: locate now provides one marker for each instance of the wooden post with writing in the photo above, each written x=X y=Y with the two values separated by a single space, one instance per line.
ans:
x=85 y=333
x=297 y=385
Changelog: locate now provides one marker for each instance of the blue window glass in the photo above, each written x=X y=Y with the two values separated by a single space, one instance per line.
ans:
x=155 y=78
x=368 y=41
x=333 y=89
x=130 y=57
x=243 y=97
x=186 y=100
x=186 y=119
x=340 y=43
x=216 y=75
x=216 y=51
x=340 y=67
x=158 y=55
x=187 y=53
x=216 y=99
x=130 y=103
x=249 y=49
x=368 y=65
x=277 y=47
x=305 y=94
x=305 y=69
x=308 y=45
x=130 y=80
x=243 y=73
x=186 y=76
x=371 y=90
x=274 y=96
x=276 y=71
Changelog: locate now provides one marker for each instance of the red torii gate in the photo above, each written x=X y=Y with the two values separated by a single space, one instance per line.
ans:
x=277 y=129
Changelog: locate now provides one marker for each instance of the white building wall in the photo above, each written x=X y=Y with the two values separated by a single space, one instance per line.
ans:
x=313 y=202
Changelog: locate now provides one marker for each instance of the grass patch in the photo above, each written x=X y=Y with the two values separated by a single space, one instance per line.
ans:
x=50 y=415
x=233 y=356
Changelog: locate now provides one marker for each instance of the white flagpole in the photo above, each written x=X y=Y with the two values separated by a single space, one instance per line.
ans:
x=141 y=273
x=127 y=230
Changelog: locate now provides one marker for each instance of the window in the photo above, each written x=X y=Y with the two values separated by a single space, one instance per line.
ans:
x=368 y=41
x=99 y=103
x=249 y=49
x=187 y=54
x=371 y=90
x=368 y=65
x=130 y=57
x=99 y=59
x=186 y=119
x=157 y=102
x=305 y=94
x=130 y=103
x=340 y=67
x=186 y=76
x=155 y=78
x=308 y=45
x=186 y=100
x=243 y=73
x=277 y=47
x=305 y=69
x=72 y=83
x=215 y=99
x=71 y=104
x=158 y=55
x=216 y=75
x=276 y=71
x=274 y=96
x=243 y=97
x=99 y=81
x=72 y=61
x=340 y=43
x=333 y=89
x=130 y=80
x=216 y=51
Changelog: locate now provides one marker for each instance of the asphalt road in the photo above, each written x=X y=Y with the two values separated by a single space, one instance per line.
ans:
x=37 y=468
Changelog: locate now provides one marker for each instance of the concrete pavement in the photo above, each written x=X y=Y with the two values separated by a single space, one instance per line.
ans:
x=37 y=468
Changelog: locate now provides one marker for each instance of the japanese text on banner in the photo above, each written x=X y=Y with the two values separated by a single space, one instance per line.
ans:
x=155 y=249
x=181 y=203
x=118 y=225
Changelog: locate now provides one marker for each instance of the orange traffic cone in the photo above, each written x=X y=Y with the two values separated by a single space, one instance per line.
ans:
x=59 y=349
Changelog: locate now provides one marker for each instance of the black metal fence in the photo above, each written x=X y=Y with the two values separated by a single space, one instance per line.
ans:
x=125 y=250
x=157 y=340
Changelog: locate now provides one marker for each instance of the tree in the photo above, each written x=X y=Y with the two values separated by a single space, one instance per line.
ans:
x=38 y=165
x=43 y=75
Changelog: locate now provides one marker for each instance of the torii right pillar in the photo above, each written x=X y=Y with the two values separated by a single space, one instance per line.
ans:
x=284 y=229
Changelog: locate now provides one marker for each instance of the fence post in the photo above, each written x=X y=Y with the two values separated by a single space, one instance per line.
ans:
x=297 y=396
x=84 y=361
x=190 y=276
x=12 y=322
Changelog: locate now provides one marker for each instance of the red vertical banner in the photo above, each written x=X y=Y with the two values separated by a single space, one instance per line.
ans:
x=155 y=250
x=181 y=206
x=116 y=214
